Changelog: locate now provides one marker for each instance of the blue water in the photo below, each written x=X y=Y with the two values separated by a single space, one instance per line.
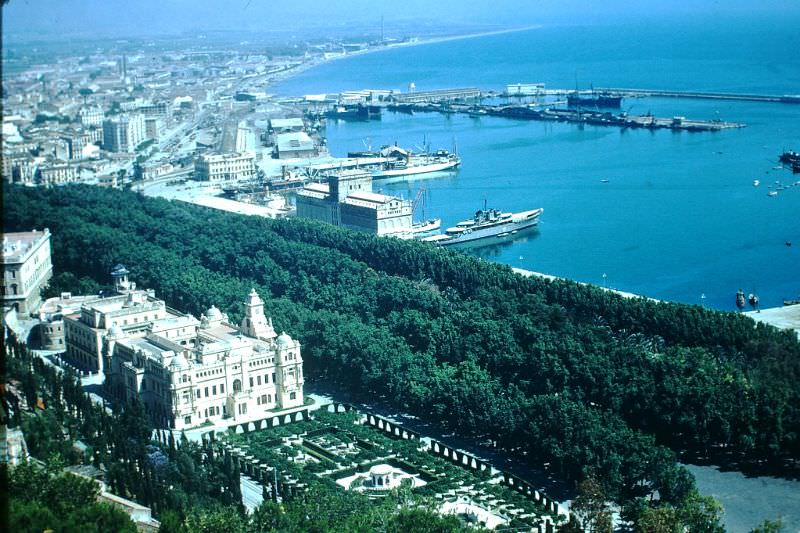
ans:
x=679 y=216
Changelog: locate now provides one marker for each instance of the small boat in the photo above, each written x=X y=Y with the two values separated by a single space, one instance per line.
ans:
x=752 y=299
x=789 y=157
x=756 y=183
x=788 y=243
x=426 y=226
x=772 y=193
x=604 y=181
x=740 y=301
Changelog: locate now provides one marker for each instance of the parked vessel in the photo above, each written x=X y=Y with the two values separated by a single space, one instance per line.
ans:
x=485 y=224
x=740 y=301
x=354 y=112
x=404 y=163
x=789 y=157
x=426 y=226
x=593 y=100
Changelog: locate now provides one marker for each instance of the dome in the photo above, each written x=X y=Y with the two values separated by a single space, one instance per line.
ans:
x=284 y=340
x=179 y=363
x=213 y=314
x=116 y=331
x=380 y=470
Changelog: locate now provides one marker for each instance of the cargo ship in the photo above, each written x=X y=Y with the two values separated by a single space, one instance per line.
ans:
x=355 y=112
x=594 y=100
x=485 y=224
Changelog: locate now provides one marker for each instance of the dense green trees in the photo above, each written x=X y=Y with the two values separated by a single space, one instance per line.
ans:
x=555 y=371
x=41 y=500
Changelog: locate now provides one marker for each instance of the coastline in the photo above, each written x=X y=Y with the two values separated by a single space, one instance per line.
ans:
x=321 y=60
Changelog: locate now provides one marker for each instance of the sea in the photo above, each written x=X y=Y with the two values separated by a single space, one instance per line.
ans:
x=669 y=215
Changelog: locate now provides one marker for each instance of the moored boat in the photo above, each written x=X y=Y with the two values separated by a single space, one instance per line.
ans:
x=594 y=100
x=485 y=224
x=426 y=226
x=403 y=163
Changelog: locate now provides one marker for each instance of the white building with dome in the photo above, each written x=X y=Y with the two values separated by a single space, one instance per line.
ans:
x=212 y=371
x=186 y=371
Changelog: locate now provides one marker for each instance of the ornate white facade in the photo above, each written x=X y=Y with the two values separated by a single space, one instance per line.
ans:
x=189 y=372
x=130 y=310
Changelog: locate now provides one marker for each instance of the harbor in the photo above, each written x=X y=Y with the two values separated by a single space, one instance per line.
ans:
x=531 y=101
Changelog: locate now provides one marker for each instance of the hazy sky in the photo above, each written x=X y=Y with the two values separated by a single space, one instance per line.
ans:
x=47 y=18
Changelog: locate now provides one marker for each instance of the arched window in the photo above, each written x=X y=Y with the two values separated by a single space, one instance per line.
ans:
x=237 y=385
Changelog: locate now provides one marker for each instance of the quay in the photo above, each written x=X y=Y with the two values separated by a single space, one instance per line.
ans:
x=636 y=93
x=298 y=175
x=786 y=317
x=439 y=95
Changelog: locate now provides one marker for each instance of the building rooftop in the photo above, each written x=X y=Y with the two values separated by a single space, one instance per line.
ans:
x=298 y=140
x=17 y=245
x=65 y=304
x=320 y=191
x=370 y=197
x=223 y=157
x=283 y=123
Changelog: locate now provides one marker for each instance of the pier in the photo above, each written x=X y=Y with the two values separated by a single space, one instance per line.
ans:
x=638 y=93
x=786 y=317
x=440 y=95
x=581 y=117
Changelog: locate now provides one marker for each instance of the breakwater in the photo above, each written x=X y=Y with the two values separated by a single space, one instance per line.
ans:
x=576 y=116
x=745 y=97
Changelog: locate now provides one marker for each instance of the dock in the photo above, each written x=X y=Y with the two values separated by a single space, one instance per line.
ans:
x=300 y=174
x=786 y=317
x=439 y=95
x=745 y=97
x=581 y=117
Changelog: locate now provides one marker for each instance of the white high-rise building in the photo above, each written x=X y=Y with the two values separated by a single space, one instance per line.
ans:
x=123 y=133
x=91 y=116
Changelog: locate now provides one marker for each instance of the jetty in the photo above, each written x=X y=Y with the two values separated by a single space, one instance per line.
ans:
x=439 y=95
x=577 y=116
x=786 y=317
x=746 y=97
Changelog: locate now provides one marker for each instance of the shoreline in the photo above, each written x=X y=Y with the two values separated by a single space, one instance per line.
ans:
x=318 y=61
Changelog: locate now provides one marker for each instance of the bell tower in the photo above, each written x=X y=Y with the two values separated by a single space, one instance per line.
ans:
x=255 y=324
